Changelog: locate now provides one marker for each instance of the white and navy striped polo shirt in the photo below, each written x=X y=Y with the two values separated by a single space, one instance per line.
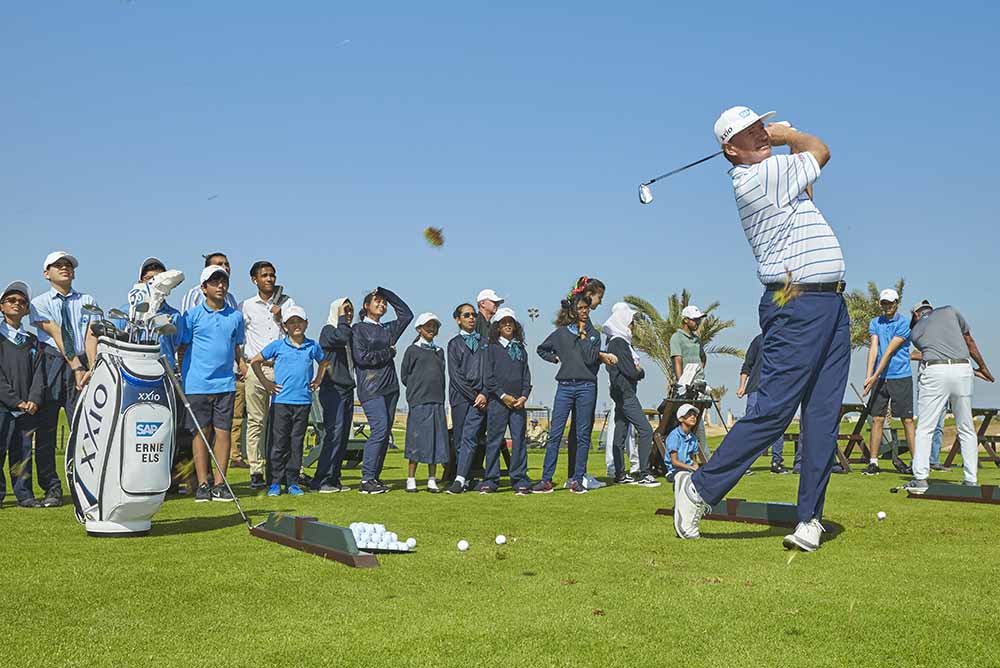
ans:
x=786 y=231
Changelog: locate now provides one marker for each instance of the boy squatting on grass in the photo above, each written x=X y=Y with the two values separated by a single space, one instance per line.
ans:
x=292 y=390
x=681 y=447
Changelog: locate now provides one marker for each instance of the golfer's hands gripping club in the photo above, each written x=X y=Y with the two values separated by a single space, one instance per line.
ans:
x=780 y=132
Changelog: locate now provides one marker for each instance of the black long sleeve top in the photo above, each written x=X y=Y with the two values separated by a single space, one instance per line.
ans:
x=577 y=358
x=336 y=343
x=624 y=376
x=422 y=372
x=372 y=345
x=22 y=372
x=503 y=375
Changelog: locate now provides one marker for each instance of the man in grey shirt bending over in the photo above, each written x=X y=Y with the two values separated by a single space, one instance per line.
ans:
x=944 y=344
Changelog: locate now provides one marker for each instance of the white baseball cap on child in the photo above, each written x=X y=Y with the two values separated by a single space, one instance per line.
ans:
x=684 y=410
x=293 y=312
x=888 y=295
x=55 y=256
x=502 y=313
x=425 y=318
x=210 y=271
x=735 y=120
x=18 y=286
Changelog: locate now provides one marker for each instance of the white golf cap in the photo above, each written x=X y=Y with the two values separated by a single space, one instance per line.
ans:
x=17 y=286
x=735 y=120
x=294 y=311
x=504 y=312
x=684 y=410
x=210 y=271
x=425 y=318
x=148 y=261
x=489 y=294
x=692 y=312
x=888 y=295
x=54 y=257
x=923 y=303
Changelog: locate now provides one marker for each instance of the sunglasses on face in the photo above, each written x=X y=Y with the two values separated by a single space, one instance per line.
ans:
x=62 y=265
x=16 y=301
x=470 y=314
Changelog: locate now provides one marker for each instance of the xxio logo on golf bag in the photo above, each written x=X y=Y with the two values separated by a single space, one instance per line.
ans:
x=121 y=446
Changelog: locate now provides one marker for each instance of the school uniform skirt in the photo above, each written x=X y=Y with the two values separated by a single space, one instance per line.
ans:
x=426 y=434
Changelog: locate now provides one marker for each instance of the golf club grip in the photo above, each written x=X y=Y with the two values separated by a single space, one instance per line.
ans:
x=208 y=446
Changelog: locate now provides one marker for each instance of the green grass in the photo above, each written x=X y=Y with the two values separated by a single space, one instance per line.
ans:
x=585 y=580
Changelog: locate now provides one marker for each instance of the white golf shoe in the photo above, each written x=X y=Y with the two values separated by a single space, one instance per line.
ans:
x=688 y=507
x=806 y=536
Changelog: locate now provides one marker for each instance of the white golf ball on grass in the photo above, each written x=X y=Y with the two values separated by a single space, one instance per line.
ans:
x=411 y=543
x=501 y=539
x=463 y=545
x=880 y=515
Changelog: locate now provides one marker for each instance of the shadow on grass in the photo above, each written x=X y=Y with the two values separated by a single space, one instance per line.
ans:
x=191 y=525
x=833 y=531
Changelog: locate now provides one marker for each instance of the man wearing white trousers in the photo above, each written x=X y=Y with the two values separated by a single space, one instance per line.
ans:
x=945 y=345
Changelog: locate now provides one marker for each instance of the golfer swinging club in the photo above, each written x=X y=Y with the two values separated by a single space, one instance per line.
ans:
x=803 y=319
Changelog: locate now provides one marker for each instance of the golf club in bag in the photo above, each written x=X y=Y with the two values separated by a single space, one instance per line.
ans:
x=121 y=445
x=165 y=367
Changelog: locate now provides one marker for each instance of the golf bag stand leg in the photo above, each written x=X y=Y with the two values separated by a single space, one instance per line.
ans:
x=204 y=439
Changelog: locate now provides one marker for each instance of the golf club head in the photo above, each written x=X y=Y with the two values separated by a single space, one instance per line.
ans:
x=141 y=307
x=645 y=193
x=93 y=309
x=167 y=329
x=159 y=320
x=117 y=314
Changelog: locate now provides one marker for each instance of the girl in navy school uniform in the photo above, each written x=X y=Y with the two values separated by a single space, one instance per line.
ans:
x=507 y=380
x=463 y=372
x=575 y=346
x=336 y=396
x=422 y=373
x=373 y=344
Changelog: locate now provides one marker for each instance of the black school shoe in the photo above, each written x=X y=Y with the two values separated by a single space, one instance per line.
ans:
x=52 y=500
x=871 y=469
x=29 y=503
x=779 y=469
x=257 y=481
x=456 y=487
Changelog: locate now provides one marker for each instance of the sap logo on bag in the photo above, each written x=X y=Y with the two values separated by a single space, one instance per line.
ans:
x=147 y=428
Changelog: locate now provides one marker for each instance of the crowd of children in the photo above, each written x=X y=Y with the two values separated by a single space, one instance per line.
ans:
x=483 y=374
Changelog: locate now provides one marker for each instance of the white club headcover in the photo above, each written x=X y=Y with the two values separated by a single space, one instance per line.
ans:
x=155 y=291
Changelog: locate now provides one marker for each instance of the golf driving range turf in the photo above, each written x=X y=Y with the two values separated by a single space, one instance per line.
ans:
x=596 y=579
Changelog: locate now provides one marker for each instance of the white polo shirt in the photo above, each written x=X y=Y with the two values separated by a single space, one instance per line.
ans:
x=261 y=327
x=787 y=233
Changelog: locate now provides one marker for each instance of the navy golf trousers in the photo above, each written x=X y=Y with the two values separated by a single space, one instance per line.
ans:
x=498 y=418
x=472 y=424
x=806 y=350
x=380 y=412
x=338 y=418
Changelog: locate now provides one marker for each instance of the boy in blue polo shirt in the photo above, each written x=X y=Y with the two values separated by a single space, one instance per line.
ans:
x=890 y=337
x=292 y=388
x=681 y=448
x=212 y=331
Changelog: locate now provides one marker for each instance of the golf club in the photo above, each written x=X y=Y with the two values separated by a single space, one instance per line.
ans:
x=646 y=194
x=897 y=463
x=139 y=309
x=208 y=445
x=118 y=314
x=104 y=326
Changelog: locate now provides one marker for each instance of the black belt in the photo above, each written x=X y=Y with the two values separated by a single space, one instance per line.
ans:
x=837 y=287
x=933 y=362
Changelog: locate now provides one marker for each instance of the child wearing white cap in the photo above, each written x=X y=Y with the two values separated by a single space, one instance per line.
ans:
x=423 y=374
x=22 y=387
x=681 y=447
x=292 y=388
x=62 y=325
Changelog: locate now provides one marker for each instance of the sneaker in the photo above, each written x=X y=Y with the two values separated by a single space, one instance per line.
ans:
x=779 y=469
x=688 y=507
x=221 y=493
x=940 y=467
x=970 y=483
x=295 y=490
x=915 y=486
x=257 y=481
x=542 y=487
x=624 y=479
x=522 y=488
x=52 y=500
x=456 y=487
x=903 y=469
x=806 y=536
x=332 y=489
x=203 y=493
x=372 y=487
x=432 y=487
x=577 y=487
x=871 y=469
x=411 y=486
x=647 y=481
x=29 y=503
x=487 y=488
x=590 y=482
x=274 y=490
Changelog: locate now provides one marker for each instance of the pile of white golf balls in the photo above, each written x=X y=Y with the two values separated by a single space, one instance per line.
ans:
x=376 y=537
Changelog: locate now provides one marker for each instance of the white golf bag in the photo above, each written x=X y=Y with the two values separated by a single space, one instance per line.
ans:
x=121 y=445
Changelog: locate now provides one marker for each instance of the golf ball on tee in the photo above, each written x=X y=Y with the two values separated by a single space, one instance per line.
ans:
x=880 y=515
x=411 y=543
x=463 y=545
x=501 y=539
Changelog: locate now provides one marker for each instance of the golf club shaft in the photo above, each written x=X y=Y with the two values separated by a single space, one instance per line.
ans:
x=681 y=169
x=208 y=446
x=718 y=410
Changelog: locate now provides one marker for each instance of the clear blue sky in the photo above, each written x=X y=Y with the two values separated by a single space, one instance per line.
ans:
x=326 y=137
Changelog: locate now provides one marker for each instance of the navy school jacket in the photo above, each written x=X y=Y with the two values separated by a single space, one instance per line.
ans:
x=464 y=371
x=372 y=344
x=335 y=341
x=577 y=358
x=624 y=376
x=503 y=375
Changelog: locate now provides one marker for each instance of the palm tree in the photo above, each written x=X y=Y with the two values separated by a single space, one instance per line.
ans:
x=653 y=331
x=862 y=307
